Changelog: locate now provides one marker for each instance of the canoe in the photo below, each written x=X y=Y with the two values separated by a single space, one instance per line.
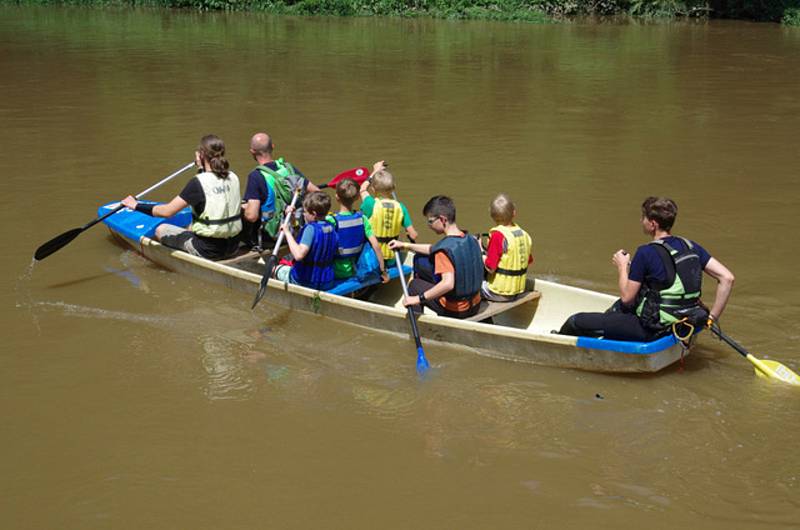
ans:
x=519 y=331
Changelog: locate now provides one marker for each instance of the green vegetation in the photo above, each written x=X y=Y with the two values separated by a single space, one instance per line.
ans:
x=787 y=11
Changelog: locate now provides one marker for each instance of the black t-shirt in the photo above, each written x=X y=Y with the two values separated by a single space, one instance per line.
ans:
x=209 y=247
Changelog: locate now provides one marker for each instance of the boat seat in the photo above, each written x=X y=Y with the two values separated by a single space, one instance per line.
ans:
x=489 y=309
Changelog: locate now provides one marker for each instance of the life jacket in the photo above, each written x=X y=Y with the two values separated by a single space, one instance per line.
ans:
x=509 y=277
x=465 y=253
x=316 y=269
x=350 y=230
x=222 y=215
x=282 y=182
x=659 y=305
x=386 y=221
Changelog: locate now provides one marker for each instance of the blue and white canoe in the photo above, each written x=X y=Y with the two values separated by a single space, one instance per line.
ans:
x=518 y=331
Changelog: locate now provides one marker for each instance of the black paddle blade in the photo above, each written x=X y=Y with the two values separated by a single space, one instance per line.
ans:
x=272 y=261
x=56 y=243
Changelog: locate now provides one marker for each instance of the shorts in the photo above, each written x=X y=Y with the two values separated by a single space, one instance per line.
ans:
x=283 y=273
x=179 y=239
x=488 y=294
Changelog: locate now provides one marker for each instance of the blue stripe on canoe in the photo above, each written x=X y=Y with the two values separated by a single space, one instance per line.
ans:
x=641 y=348
x=134 y=225
x=351 y=285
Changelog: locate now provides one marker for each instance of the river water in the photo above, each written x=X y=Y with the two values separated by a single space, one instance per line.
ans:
x=133 y=397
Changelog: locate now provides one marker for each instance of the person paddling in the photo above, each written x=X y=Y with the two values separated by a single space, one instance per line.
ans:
x=449 y=282
x=662 y=287
x=387 y=215
x=269 y=190
x=214 y=197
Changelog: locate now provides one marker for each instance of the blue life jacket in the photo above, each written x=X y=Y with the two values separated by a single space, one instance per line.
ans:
x=316 y=269
x=350 y=229
x=465 y=253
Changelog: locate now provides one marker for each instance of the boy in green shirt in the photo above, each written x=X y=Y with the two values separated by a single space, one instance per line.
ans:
x=354 y=231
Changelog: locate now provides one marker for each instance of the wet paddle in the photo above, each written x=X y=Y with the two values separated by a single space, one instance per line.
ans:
x=422 y=362
x=272 y=260
x=769 y=369
x=64 y=239
x=359 y=174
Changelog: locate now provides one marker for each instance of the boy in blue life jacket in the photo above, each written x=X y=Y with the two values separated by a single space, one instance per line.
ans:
x=386 y=214
x=354 y=230
x=314 y=253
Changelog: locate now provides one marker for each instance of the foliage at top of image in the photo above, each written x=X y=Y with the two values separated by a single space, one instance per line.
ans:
x=786 y=11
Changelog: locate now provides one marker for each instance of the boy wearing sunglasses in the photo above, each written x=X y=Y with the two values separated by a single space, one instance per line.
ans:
x=449 y=282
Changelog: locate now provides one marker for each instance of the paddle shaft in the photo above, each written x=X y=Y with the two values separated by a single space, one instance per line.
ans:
x=273 y=258
x=140 y=195
x=398 y=263
x=729 y=341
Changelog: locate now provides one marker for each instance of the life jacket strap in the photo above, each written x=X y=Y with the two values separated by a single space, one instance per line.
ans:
x=512 y=272
x=216 y=221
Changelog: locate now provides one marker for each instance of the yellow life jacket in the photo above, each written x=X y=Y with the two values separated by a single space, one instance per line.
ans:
x=221 y=217
x=509 y=278
x=386 y=221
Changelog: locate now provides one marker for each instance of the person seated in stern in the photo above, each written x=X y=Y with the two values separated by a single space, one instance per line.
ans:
x=449 y=281
x=663 y=285
x=214 y=197
x=314 y=254
x=354 y=231
x=386 y=214
x=508 y=253
x=269 y=190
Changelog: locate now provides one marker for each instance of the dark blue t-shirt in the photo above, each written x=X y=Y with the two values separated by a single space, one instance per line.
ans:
x=647 y=266
x=257 y=188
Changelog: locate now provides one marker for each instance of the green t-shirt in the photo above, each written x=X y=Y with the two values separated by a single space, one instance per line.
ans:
x=368 y=205
x=344 y=268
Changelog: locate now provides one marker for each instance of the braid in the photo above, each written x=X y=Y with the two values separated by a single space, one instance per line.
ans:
x=213 y=150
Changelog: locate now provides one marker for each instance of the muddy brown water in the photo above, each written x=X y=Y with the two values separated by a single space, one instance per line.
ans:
x=133 y=397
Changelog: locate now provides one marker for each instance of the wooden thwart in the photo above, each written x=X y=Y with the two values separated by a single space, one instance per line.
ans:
x=489 y=309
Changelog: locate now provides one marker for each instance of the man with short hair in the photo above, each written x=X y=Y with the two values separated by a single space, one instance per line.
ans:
x=269 y=190
x=663 y=285
x=452 y=287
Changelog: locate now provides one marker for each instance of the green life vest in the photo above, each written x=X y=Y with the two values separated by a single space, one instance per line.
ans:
x=282 y=183
x=221 y=217
x=662 y=304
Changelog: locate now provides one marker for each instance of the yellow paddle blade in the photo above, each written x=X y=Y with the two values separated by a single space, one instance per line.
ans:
x=774 y=370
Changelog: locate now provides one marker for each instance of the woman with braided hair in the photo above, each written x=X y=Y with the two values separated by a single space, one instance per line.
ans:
x=215 y=199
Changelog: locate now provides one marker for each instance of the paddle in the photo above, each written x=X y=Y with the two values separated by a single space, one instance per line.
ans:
x=768 y=369
x=359 y=174
x=64 y=239
x=272 y=260
x=422 y=362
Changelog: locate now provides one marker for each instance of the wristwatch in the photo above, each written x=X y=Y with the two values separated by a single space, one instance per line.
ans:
x=422 y=297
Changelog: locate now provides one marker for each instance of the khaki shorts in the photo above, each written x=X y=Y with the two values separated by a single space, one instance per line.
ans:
x=178 y=238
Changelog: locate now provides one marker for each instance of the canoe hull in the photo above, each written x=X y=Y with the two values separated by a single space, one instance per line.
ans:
x=522 y=345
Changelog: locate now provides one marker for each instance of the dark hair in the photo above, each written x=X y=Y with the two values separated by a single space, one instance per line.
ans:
x=440 y=205
x=347 y=191
x=212 y=150
x=317 y=203
x=662 y=210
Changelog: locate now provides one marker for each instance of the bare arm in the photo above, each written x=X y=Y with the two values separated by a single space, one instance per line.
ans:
x=171 y=208
x=725 y=278
x=373 y=242
x=297 y=250
x=411 y=232
x=628 y=289
x=417 y=248
x=252 y=209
